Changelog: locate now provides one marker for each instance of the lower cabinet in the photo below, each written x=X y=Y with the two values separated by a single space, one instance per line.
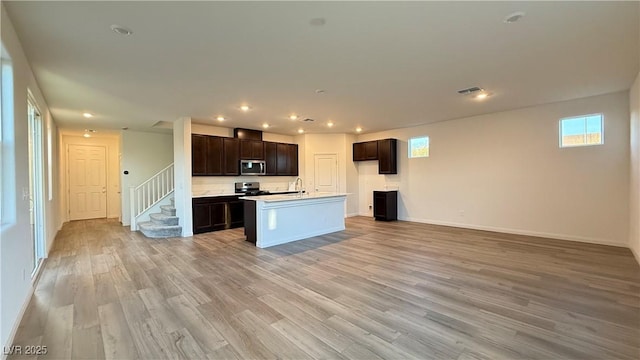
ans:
x=217 y=213
x=385 y=205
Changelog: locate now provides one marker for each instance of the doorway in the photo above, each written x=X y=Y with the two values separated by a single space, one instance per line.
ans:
x=87 y=173
x=325 y=172
x=36 y=183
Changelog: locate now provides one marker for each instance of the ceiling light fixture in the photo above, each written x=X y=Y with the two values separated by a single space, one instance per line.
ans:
x=513 y=17
x=300 y=131
x=330 y=124
x=220 y=118
x=121 y=30
x=86 y=135
x=87 y=115
x=358 y=129
x=481 y=96
x=293 y=117
x=265 y=125
x=244 y=107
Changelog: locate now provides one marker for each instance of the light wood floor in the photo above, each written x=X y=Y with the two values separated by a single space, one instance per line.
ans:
x=377 y=290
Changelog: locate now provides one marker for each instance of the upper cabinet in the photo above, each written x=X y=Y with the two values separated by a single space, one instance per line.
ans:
x=387 y=156
x=385 y=151
x=286 y=159
x=251 y=149
x=215 y=155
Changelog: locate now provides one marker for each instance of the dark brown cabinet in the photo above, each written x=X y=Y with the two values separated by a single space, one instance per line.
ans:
x=367 y=150
x=385 y=205
x=286 y=159
x=387 y=156
x=217 y=213
x=207 y=155
x=251 y=149
x=271 y=157
x=231 y=156
x=385 y=151
x=199 y=154
x=215 y=155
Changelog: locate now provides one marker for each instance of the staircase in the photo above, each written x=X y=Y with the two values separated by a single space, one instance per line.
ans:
x=149 y=197
x=163 y=224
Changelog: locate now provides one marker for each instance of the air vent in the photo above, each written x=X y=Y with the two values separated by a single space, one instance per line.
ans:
x=470 y=90
x=308 y=120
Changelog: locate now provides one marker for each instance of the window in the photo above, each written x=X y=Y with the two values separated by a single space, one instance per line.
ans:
x=581 y=130
x=419 y=147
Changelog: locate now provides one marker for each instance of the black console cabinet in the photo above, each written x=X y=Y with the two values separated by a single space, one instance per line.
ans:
x=385 y=205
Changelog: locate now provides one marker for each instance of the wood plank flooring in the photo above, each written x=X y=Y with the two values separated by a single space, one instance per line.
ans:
x=396 y=290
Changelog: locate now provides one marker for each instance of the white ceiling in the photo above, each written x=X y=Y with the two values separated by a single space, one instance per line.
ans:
x=383 y=65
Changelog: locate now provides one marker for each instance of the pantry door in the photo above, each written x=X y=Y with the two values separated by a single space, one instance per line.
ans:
x=326 y=172
x=87 y=182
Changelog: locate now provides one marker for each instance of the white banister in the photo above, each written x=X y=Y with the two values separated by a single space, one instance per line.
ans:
x=149 y=193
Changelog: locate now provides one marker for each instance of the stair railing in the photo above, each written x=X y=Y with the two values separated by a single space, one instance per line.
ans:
x=149 y=193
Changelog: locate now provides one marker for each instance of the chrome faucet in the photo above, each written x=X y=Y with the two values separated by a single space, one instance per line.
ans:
x=299 y=186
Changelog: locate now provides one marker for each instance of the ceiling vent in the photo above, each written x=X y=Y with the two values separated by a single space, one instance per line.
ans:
x=470 y=90
x=308 y=120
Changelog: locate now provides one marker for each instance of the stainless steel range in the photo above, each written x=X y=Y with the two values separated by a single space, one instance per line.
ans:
x=250 y=189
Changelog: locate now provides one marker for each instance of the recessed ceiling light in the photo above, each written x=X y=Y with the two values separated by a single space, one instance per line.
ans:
x=265 y=125
x=483 y=95
x=121 y=30
x=300 y=131
x=87 y=115
x=293 y=117
x=86 y=135
x=514 y=17
x=330 y=124
x=244 y=107
x=318 y=21
x=358 y=129
x=220 y=118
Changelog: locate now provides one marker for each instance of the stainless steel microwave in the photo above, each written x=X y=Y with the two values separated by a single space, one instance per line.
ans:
x=253 y=167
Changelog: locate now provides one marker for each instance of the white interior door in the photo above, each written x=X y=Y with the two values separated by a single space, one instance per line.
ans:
x=87 y=182
x=326 y=172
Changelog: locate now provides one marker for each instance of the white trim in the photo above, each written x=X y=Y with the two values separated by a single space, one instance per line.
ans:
x=353 y=214
x=519 y=232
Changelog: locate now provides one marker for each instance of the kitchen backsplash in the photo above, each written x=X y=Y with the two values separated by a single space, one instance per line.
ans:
x=215 y=185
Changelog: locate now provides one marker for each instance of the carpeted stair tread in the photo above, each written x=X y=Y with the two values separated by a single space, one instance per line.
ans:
x=162 y=219
x=152 y=230
x=168 y=210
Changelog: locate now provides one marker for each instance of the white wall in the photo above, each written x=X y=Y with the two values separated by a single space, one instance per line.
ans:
x=505 y=172
x=112 y=144
x=16 y=247
x=634 y=188
x=182 y=173
x=143 y=154
x=341 y=145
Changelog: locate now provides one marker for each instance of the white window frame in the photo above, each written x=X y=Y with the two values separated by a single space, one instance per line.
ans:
x=409 y=147
x=585 y=130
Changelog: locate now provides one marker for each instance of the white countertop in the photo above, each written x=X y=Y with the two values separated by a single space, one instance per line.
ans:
x=236 y=194
x=293 y=197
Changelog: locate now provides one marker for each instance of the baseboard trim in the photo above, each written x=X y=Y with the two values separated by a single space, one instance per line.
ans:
x=520 y=232
x=352 y=215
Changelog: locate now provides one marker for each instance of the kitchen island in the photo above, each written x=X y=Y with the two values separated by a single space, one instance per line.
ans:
x=279 y=219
